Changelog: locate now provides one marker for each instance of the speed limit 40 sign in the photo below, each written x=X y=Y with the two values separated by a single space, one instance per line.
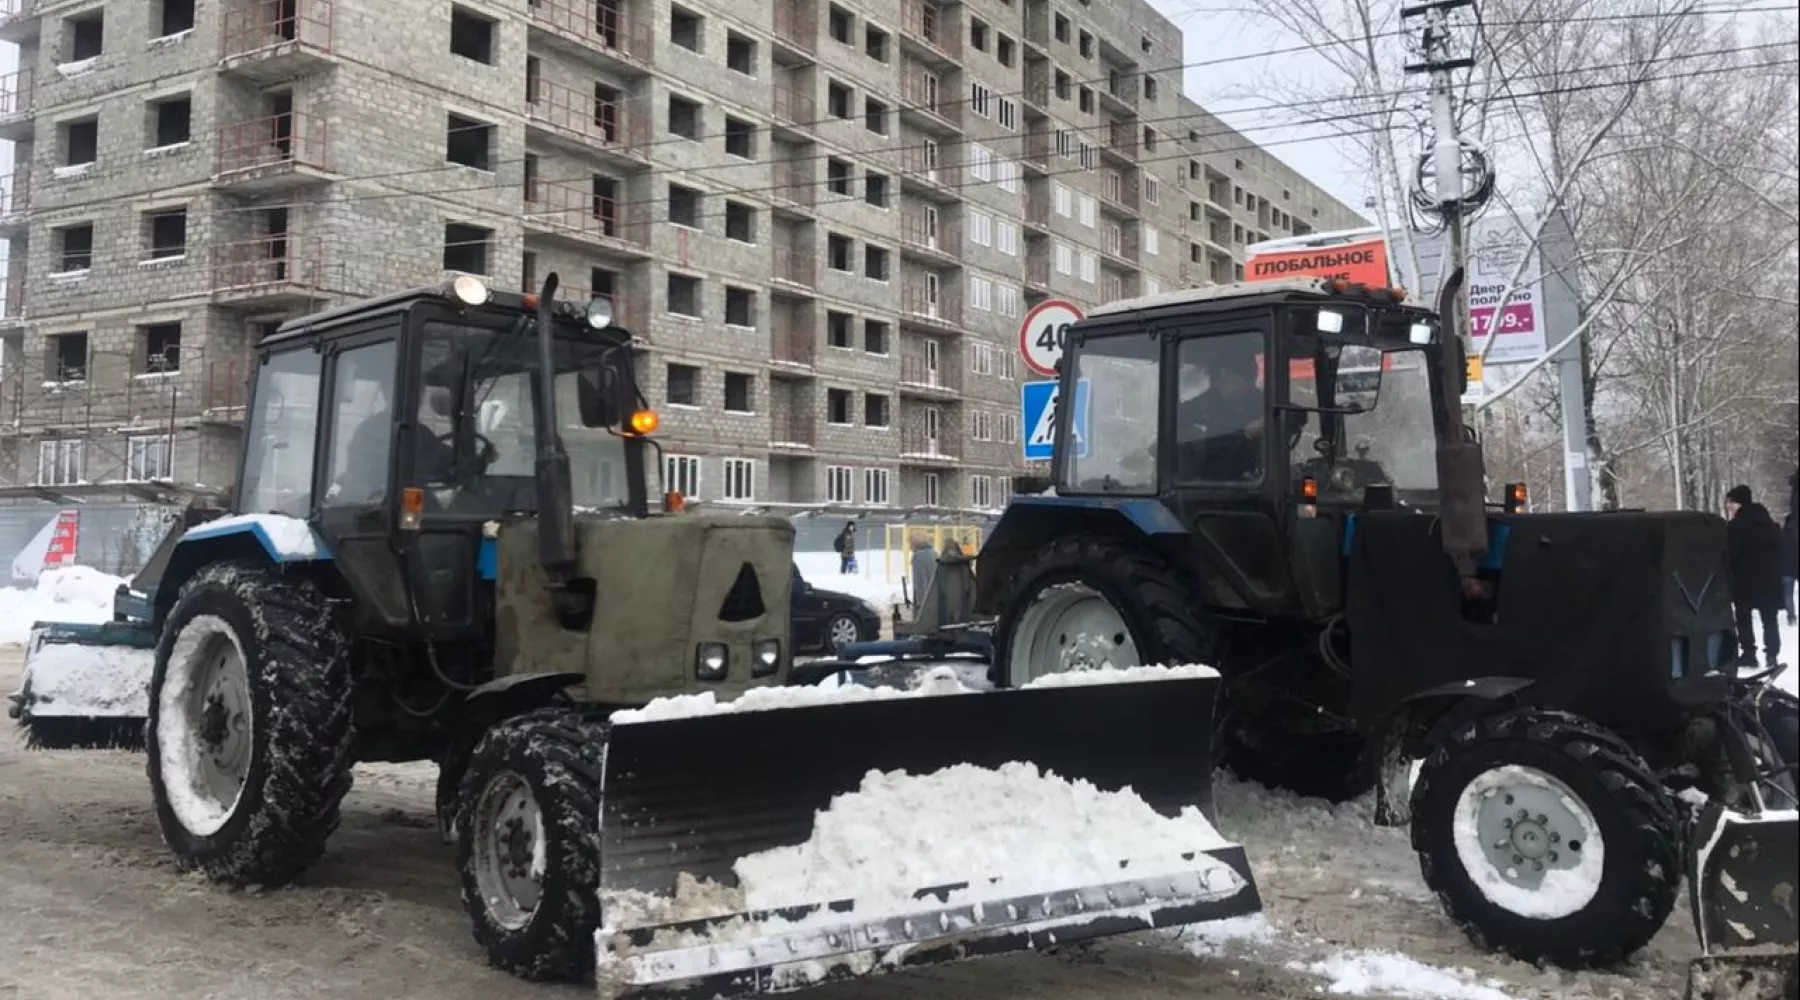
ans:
x=1042 y=333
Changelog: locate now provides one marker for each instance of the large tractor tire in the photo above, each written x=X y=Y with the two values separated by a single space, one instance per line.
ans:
x=528 y=843
x=1086 y=600
x=1548 y=838
x=249 y=737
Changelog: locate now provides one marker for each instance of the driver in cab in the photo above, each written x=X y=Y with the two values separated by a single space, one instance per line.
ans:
x=1219 y=428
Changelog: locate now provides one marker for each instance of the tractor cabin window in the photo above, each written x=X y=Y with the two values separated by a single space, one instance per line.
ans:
x=278 y=461
x=1119 y=457
x=362 y=425
x=1367 y=418
x=1219 y=409
x=476 y=451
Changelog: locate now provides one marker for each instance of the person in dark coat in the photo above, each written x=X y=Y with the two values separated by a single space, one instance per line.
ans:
x=845 y=544
x=1753 y=548
x=1790 y=549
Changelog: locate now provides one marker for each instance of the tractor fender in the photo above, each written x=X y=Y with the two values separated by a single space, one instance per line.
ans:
x=514 y=694
x=1421 y=721
x=1031 y=522
x=261 y=538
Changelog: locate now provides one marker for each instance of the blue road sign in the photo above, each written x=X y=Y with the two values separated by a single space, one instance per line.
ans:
x=1037 y=405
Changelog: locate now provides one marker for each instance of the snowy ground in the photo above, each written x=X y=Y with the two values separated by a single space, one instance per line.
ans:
x=874 y=580
x=93 y=907
x=76 y=594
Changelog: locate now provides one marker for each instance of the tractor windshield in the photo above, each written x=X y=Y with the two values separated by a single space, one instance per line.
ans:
x=478 y=396
x=1115 y=400
x=1362 y=408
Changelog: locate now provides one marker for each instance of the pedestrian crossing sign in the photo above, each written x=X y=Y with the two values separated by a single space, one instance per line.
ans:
x=1037 y=403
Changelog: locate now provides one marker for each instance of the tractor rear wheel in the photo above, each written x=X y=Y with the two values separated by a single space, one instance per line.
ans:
x=1547 y=837
x=249 y=736
x=528 y=843
x=1086 y=602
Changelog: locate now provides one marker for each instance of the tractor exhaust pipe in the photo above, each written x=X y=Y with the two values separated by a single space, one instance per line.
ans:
x=1462 y=472
x=555 y=491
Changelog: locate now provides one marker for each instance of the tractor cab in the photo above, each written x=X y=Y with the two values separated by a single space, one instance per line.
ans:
x=1260 y=416
x=405 y=429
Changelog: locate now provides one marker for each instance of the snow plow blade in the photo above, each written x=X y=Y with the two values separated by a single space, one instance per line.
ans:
x=685 y=801
x=1742 y=879
x=86 y=686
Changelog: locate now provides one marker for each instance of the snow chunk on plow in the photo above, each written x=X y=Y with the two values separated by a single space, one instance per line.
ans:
x=766 y=851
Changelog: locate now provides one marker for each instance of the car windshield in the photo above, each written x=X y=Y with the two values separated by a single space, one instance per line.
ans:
x=477 y=452
x=1340 y=364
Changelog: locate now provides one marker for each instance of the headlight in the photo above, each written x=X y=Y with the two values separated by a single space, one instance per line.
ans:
x=599 y=313
x=469 y=290
x=711 y=661
x=1330 y=322
x=1421 y=334
x=767 y=653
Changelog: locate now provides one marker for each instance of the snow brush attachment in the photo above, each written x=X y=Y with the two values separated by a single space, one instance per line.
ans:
x=86 y=686
x=1742 y=877
x=769 y=849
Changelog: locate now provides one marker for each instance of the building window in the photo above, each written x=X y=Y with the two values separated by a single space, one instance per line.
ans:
x=740 y=392
x=472 y=35
x=684 y=206
x=468 y=143
x=740 y=222
x=80 y=142
x=174 y=17
x=162 y=347
x=838 y=174
x=838 y=100
x=684 y=118
x=76 y=249
x=84 y=35
x=837 y=328
x=837 y=252
x=875 y=487
x=981 y=491
x=875 y=336
x=171 y=121
x=933 y=494
x=837 y=406
x=687 y=29
x=68 y=357
x=684 y=385
x=681 y=473
x=466 y=247
x=838 y=483
x=875 y=189
x=740 y=479
x=740 y=307
x=740 y=53
x=875 y=263
x=740 y=138
x=684 y=295
x=875 y=43
x=166 y=234
x=60 y=462
x=875 y=410
x=841 y=24
x=148 y=458
x=875 y=116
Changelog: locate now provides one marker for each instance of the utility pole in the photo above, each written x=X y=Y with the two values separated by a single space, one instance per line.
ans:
x=1440 y=60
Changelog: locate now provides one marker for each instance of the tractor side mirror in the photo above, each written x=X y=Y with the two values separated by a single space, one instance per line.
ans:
x=597 y=395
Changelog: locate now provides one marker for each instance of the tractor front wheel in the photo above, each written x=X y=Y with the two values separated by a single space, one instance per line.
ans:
x=249 y=736
x=1547 y=837
x=528 y=843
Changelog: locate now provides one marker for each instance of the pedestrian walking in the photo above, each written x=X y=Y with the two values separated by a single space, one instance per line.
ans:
x=845 y=545
x=1753 y=551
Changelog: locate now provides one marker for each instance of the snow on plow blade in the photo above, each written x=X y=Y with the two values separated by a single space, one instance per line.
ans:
x=85 y=685
x=755 y=852
x=1743 y=876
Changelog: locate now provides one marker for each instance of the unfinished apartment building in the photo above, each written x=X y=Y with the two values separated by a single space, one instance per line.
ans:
x=823 y=220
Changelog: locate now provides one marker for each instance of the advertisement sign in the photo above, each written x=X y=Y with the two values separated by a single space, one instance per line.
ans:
x=1499 y=247
x=1360 y=258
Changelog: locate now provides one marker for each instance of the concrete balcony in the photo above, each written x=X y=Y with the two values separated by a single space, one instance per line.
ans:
x=795 y=189
x=621 y=33
x=929 y=174
x=795 y=113
x=928 y=104
x=579 y=121
x=1037 y=271
x=793 y=345
x=15 y=202
x=920 y=308
x=918 y=377
x=928 y=34
x=931 y=437
x=796 y=29
x=793 y=430
x=1121 y=142
x=1037 y=210
x=271 y=272
x=19 y=20
x=794 y=270
x=266 y=41
x=938 y=242
x=278 y=152
x=576 y=215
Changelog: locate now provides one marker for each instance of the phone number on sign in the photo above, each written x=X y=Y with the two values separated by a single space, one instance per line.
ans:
x=1516 y=319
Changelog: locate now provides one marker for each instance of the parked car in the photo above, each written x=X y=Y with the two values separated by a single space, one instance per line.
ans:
x=824 y=618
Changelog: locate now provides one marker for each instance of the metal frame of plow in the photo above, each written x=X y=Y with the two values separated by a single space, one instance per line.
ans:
x=1742 y=883
x=773 y=954
x=690 y=796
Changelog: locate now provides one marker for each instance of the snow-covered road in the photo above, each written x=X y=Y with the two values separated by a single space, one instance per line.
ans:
x=91 y=906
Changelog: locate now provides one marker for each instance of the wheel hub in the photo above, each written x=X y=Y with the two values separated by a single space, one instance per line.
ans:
x=206 y=744
x=1519 y=827
x=509 y=845
x=1070 y=627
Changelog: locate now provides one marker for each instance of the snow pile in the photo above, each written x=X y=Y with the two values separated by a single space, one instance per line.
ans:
x=1211 y=940
x=870 y=581
x=99 y=681
x=1029 y=830
x=71 y=594
x=1389 y=974
x=939 y=681
x=1116 y=675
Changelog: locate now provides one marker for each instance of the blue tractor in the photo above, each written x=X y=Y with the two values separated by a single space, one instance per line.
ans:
x=1274 y=479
